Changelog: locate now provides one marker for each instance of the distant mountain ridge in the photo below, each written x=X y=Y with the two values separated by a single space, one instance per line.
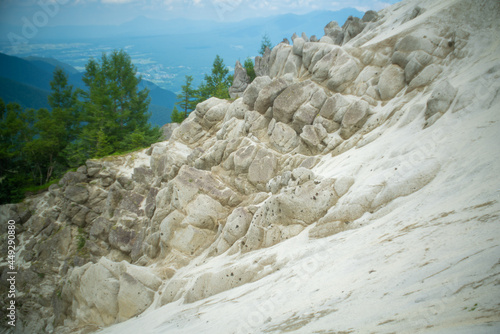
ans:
x=143 y=26
x=165 y=51
x=27 y=82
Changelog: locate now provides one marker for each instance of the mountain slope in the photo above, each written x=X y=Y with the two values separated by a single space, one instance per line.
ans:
x=23 y=71
x=352 y=188
x=27 y=96
x=27 y=81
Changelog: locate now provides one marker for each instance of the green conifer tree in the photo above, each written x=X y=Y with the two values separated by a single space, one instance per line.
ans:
x=265 y=43
x=114 y=106
x=187 y=97
x=248 y=65
x=217 y=84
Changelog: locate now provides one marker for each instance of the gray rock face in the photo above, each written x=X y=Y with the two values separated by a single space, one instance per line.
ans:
x=289 y=101
x=253 y=90
x=370 y=16
x=262 y=168
x=240 y=81
x=284 y=138
x=352 y=27
x=168 y=129
x=122 y=238
x=298 y=45
x=268 y=94
x=391 y=81
x=354 y=118
x=77 y=193
x=440 y=99
x=73 y=178
x=262 y=63
x=333 y=31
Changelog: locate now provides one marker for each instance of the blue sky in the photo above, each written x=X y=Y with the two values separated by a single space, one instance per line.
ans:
x=84 y=12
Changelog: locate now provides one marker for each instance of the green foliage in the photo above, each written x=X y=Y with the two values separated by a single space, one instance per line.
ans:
x=80 y=239
x=36 y=189
x=217 y=84
x=187 y=99
x=114 y=108
x=178 y=117
x=38 y=146
x=248 y=65
x=265 y=43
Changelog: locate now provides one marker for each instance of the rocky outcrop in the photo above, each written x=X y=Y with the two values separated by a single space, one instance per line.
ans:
x=240 y=81
x=262 y=63
x=333 y=135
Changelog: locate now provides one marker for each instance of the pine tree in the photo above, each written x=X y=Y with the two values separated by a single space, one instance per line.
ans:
x=217 y=84
x=187 y=99
x=114 y=106
x=64 y=103
x=248 y=65
x=44 y=151
x=265 y=43
x=14 y=171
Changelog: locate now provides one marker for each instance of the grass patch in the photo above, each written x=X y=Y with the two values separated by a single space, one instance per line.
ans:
x=80 y=239
x=39 y=189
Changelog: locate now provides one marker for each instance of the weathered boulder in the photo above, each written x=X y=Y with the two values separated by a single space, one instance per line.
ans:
x=440 y=100
x=252 y=92
x=216 y=113
x=413 y=13
x=236 y=226
x=283 y=215
x=237 y=109
x=343 y=72
x=354 y=118
x=283 y=138
x=189 y=132
x=95 y=290
x=287 y=103
x=313 y=135
x=391 y=81
x=72 y=178
x=333 y=31
x=262 y=63
x=122 y=238
x=125 y=182
x=77 y=193
x=168 y=129
x=133 y=297
x=268 y=94
x=298 y=45
x=411 y=43
x=352 y=27
x=204 y=213
x=278 y=60
x=262 y=168
x=417 y=60
x=304 y=115
x=425 y=77
x=93 y=167
x=370 y=16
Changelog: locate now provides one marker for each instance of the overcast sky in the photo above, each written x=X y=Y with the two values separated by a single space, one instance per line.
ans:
x=82 y=12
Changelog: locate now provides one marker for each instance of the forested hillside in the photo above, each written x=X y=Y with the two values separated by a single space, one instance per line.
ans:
x=27 y=82
x=109 y=116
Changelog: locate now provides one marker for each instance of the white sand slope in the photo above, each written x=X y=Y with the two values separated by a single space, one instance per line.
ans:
x=427 y=257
